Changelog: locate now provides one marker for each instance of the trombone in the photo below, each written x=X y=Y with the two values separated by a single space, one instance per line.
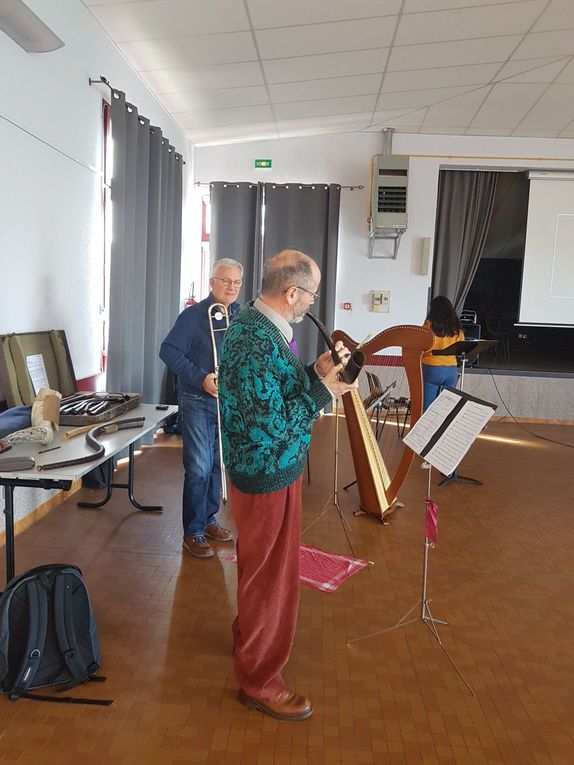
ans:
x=217 y=312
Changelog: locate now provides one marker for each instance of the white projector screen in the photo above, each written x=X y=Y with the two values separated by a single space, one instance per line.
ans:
x=547 y=293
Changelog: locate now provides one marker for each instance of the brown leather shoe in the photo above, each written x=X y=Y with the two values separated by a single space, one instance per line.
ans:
x=198 y=547
x=213 y=531
x=287 y=706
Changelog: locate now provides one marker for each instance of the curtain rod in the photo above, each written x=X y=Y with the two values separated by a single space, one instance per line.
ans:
x=292 y=183
x=104 y=81
x=101 y=81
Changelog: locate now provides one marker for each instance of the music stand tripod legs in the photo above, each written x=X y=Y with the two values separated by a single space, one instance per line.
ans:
x=425 y=616
x=333 y=500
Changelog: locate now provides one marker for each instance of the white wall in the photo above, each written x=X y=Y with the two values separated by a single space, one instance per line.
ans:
x=50 y=165
x=50 y=189
x=345 y=159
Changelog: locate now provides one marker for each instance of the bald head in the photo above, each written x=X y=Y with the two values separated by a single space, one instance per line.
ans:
x=287 y=269
x=290 y=283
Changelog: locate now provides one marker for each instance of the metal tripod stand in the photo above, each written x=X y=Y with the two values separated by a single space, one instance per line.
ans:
x=333 y=500
x=425 y=616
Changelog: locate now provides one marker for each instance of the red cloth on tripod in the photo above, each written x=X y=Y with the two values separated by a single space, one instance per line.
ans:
x=431 y=523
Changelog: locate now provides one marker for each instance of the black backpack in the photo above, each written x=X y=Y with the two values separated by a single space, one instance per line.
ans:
x=48 y=634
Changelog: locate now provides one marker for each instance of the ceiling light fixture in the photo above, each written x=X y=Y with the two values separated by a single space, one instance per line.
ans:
x=26 y=29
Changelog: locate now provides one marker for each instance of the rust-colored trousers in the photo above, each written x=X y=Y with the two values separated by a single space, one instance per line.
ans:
x=268 y=542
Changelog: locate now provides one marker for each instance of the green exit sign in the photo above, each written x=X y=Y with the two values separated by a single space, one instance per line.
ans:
x=263 y=163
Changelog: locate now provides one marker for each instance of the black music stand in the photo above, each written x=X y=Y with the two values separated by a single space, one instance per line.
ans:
x=466 y=351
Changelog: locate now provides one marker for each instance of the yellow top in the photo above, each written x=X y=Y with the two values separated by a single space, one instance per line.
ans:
x=439 y=343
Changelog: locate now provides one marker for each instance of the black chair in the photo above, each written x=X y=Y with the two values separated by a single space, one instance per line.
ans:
x=496 y=331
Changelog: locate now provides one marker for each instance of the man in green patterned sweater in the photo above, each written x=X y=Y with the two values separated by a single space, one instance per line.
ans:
x=268 y=401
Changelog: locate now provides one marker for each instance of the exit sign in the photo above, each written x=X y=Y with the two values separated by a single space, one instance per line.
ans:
x=263 y=163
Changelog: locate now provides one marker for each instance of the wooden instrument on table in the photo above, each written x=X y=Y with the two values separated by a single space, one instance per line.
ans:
x=379 y=485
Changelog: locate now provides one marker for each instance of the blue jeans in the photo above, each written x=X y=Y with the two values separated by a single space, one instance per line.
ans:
x=436 y=378
x=202 y=481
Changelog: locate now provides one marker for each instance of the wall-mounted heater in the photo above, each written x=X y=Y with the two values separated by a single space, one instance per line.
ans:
x=389 y=197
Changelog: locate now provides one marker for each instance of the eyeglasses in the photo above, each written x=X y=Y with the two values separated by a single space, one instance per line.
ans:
x=315 y=294
x=228 y=282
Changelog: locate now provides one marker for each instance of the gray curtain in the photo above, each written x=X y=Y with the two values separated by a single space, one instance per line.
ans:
x=464 y=212
x=236 y=230
x=146 y=192
x=306 y=217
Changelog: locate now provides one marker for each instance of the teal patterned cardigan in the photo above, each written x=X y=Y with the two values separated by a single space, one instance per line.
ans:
x=268 y=402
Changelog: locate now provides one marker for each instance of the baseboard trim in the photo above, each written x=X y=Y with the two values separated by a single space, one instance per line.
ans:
x=29 y=520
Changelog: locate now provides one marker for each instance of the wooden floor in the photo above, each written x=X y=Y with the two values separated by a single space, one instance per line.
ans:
x=501 y=574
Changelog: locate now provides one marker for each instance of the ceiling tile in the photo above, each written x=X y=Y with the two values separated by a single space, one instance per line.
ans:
x=221 y=117
x=542 y=74
x=417 y=6
x=416 y=98
x=328 y=88
x=553 y=111
x=201 y=100
x=528 y=69
x=525 y=133
x=457 y=112
x=452 y=53
x=559 y=15
x=180 y=52
x=465 y=23
x=169 y=18
x=329 y=106
x=210 y=136
x=567 y=74
x=202 y=78
x=399 y=118
x=266 y=14
x=506 y=105
x=438 y=130
x=325 y=38
x=90 y=3
x=416 y=79
x=488 y=131
x=339 y=122
x=546 y=44
x=325 y=66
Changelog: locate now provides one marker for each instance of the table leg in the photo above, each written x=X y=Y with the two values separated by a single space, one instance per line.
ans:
x=9 y=526
x=129 y=486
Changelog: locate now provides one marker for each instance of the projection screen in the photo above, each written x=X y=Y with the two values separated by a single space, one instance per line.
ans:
x=547 y=292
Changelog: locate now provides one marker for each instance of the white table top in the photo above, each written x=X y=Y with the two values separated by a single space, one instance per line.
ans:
x=76 y=447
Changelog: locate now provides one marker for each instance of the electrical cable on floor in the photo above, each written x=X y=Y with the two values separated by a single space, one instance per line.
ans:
x=520 y=425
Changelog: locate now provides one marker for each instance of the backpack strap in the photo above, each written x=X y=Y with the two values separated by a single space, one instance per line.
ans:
x=38 y=627
x=66 y=629
x=67 y=699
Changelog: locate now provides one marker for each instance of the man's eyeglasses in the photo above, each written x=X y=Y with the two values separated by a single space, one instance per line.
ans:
x=228 y=282
x=315 y=294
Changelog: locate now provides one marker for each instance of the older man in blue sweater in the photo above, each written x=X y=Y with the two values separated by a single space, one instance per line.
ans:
x=188 y=352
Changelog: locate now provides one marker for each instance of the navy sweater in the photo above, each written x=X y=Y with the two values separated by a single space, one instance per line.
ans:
x=187 y=350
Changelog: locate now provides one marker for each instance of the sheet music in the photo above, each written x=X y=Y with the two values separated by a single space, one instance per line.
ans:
x=37 y=372
x=454 y=421
x=428 y=424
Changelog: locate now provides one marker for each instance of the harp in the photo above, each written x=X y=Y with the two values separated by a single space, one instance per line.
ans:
x=378 y=480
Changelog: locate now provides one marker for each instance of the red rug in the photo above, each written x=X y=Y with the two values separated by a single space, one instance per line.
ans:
x=327 y=571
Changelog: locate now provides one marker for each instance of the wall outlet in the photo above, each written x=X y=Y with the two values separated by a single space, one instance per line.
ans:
x=380 y=302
